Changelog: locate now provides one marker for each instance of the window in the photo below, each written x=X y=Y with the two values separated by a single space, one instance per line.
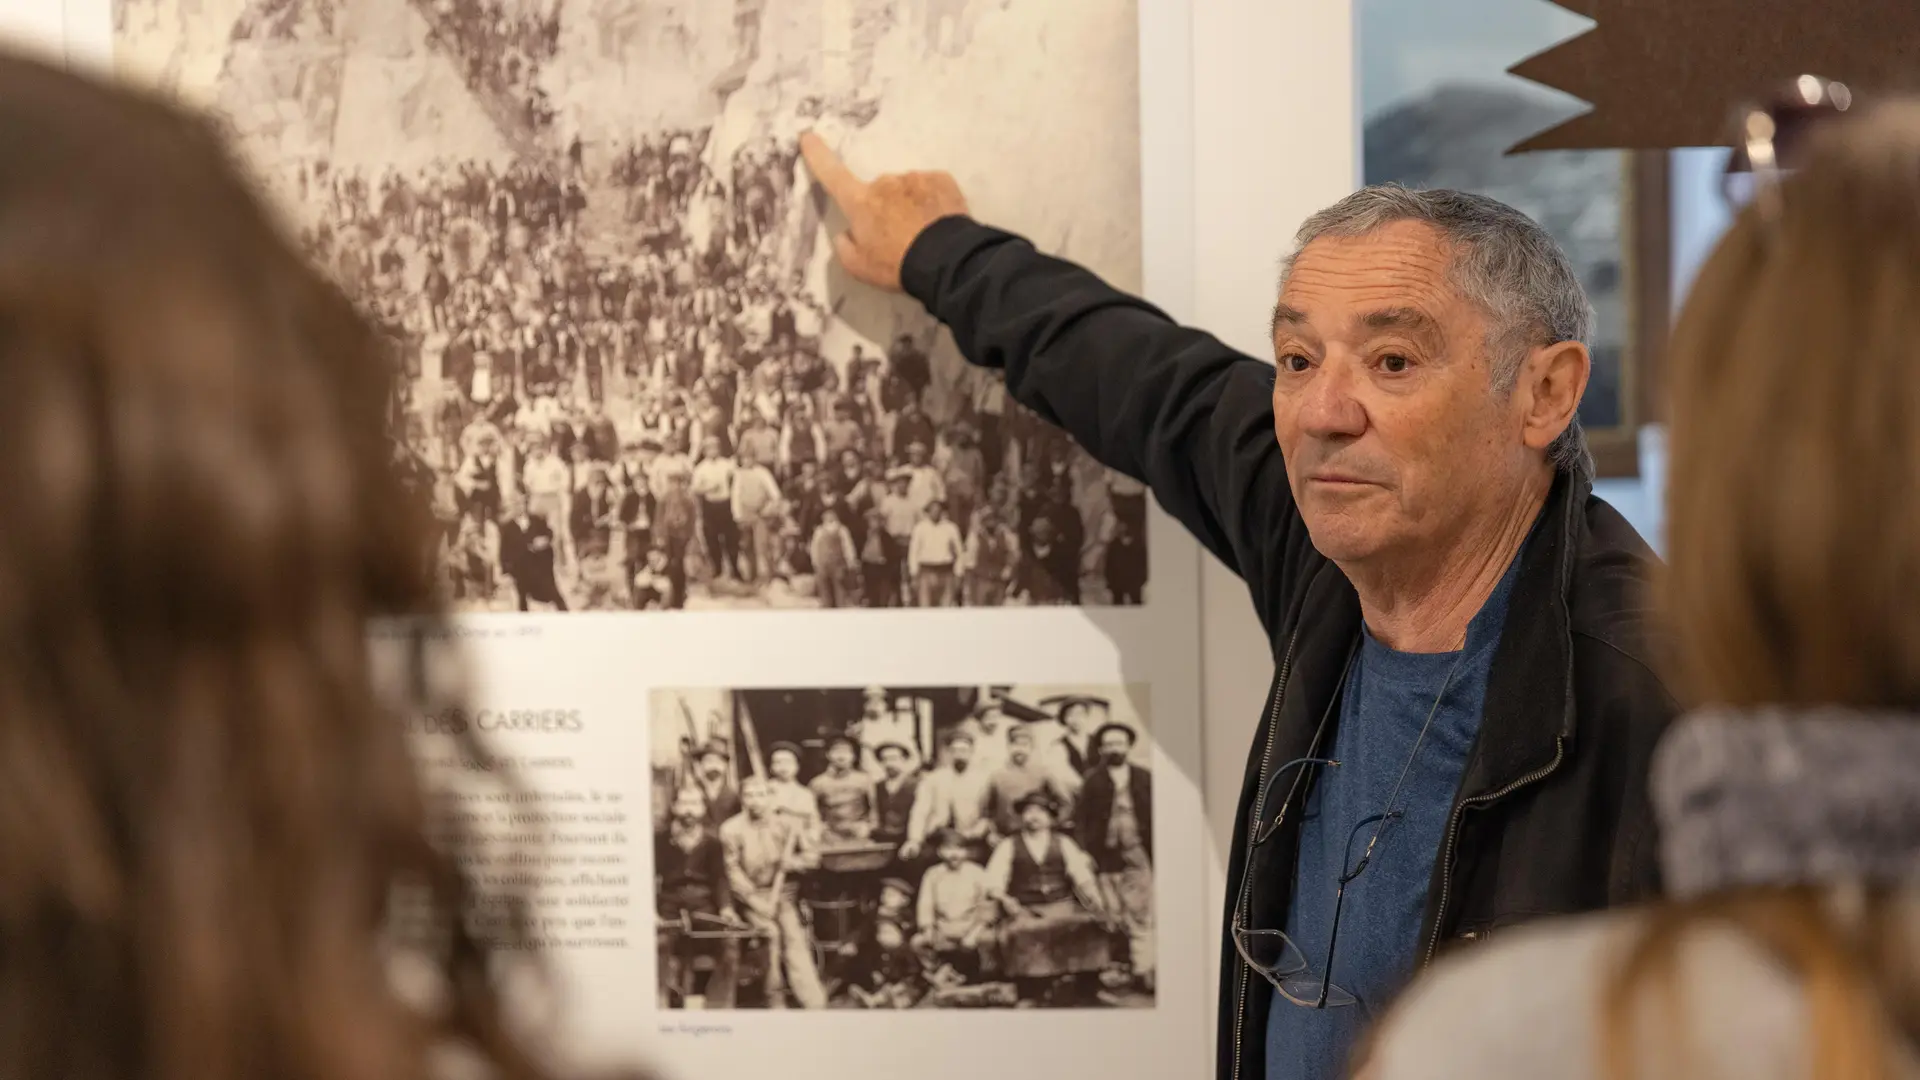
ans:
x=1439 y=110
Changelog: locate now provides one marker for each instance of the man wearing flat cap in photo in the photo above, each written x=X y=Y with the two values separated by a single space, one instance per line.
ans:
x=844 y=794
x=951 y=796
x=527 y=555
x=1047 y=888
x=894 y=794
x=1114 y=824
x=881 y=723
x=713 y=486
x=933 y=557
x=1020 y=776
x=924 y=483
x=756 y=513
x=766 y=854
x=898 y=507
x=713 y=775
x=788 y=795
x=954 y=909
x=1074 y=752
x=1462 y=684
x=691 y=889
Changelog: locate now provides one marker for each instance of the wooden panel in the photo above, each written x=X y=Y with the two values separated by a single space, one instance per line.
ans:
x=1666 y=73
x=1646 y=225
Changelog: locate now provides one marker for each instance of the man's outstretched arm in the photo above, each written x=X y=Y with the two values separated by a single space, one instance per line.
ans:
x=1168 y=405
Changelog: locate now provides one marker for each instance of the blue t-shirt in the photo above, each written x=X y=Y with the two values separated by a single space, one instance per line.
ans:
x=1385 y=702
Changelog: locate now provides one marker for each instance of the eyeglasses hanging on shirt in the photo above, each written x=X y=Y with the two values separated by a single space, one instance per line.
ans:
x=1274 y=955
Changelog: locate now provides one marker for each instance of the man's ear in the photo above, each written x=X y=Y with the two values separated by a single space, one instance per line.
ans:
x=1553 y=378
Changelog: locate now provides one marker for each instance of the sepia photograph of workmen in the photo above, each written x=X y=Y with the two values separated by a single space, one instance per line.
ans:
x=904 y=847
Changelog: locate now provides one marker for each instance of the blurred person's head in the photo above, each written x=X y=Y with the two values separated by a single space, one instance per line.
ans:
x=842 y=752
x=1036 y=812
x=893 y=759
x=951 y=847
x=895 y=894
x=755 y=797
x=960 y=750
x=209 y=809
x=1115 y=742
x=713 y=762
x=1019 y=744
x=689 y=805
x=1793 y=535
x=1793 y=582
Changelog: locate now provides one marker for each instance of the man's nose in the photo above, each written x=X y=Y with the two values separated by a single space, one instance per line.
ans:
x=1329 y=407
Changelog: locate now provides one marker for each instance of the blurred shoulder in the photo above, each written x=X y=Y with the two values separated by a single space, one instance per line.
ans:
x=1620 y=654
x=1522 y=1005
x=1610 y=599
x=1530 y=1005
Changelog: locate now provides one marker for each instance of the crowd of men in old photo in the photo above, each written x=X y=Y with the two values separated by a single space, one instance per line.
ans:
x=618 y=396
x=899 y=849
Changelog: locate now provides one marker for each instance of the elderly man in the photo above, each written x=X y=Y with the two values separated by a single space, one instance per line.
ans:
x=1457 y=733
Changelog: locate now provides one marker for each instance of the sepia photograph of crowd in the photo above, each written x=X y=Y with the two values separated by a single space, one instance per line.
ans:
x=629 y=382
x=903 y=848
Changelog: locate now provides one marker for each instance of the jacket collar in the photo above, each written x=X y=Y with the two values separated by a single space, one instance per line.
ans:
x=1787 y=797
x=1528 y=714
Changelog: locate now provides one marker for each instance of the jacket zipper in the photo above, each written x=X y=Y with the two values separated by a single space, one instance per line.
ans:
x=1453 y=834
x=1453 y=822
x=1253 y=837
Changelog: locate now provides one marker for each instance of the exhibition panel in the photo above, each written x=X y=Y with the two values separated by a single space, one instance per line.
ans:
x=667 y=438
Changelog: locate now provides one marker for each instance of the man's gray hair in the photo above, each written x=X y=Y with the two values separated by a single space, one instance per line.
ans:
x=1502 y=260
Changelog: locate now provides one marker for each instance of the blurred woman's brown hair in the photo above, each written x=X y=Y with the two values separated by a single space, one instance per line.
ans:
x=207 y=810
x=1793 y=540
x=1793 y=528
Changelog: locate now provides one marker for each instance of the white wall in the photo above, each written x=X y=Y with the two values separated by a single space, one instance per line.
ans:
x=1639 y=499
x=38 y=25
x=1275 y=138
x=1699 y=215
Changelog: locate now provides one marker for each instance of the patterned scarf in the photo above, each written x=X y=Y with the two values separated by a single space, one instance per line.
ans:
x=1788 y=797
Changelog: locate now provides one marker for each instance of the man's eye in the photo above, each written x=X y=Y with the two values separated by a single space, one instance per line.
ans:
x=1394 y=364
x=1294 y=362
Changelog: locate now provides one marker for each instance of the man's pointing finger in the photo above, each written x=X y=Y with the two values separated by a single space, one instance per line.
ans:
x=832 y=173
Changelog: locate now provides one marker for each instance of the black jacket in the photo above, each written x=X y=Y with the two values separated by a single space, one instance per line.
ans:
x=1551 y=816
